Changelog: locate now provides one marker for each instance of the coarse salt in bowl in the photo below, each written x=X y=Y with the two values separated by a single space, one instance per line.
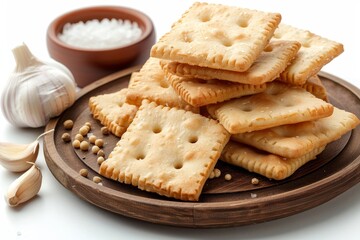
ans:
x=100 y=34
x=96 y=41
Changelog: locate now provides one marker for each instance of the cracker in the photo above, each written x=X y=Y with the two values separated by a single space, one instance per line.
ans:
x=112 y=111
x=263 y=163
x=314 y=53
x=280 y=104
x=167 y=151
x=199 y=92
x=292 y=141
x=267 y=67
x=316 y=87
x=150 y=83
x=217 y=36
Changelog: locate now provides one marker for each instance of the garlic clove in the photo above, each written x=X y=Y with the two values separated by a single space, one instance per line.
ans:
x=17 y=157
x=25 y=187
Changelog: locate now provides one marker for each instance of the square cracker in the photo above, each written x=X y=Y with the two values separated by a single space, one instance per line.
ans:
x=263 y=163
x=280 y=104
x=294 y=140
x=167 y=151
x=217 y=36
x=150 y=83
x=199 y=92
x=314 y=53
x=112 y=111
x=316 y=87
x=268 y=66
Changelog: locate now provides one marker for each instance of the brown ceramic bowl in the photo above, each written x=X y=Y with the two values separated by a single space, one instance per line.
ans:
x=88 y=65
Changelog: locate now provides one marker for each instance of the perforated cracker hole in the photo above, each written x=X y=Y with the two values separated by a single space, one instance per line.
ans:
x=205 y=17
x=140 y=156
x=193 y=139
x=226 y=42
x=156 y=129
x=178 y=165
x=186 y=37
x=243 y=22
x=246 y=109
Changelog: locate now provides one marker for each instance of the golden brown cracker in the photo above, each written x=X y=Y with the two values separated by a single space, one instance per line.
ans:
x=315 y=52
x=112 y=111
x=264 y=163
x=294 y=140
x=267 y=67
x=150 y=83
x=217 y=36
x=280 y=104
x=167 y=151
x=199 y=92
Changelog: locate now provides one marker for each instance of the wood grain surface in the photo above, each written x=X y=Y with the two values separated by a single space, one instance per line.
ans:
x=222 y=203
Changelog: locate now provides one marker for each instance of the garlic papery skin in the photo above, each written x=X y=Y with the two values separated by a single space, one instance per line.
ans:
x=36 y=91
x=19 y=157
x=24 y=187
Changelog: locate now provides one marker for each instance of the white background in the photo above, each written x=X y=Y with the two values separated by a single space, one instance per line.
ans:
x=56 y=213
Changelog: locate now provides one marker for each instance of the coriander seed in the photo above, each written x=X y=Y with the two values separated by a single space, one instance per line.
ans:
x=228 y=177
x=255 y=181
x=84 y=172
x=84 y=130
x=92 y=139
x=88 y=124
x=100 y=160
x=105 y=131
x=217 y=172
x=68 y=124
x=76 y=143
x=99 y=142
x=66 y=137
x=97 y=179
x=79 y=137
x=100 y=153
x=95 y=149
x=84 y=146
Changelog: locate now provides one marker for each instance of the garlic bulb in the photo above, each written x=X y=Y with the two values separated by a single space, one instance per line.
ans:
x=36 y=90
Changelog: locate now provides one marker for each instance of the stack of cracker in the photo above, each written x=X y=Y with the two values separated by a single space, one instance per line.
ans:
x=222 y=72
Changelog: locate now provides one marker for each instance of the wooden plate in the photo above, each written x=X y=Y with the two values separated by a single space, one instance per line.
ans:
x=222 y=203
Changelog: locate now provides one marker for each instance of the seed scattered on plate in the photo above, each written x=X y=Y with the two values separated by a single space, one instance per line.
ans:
x=84 y=172
x=66 y=137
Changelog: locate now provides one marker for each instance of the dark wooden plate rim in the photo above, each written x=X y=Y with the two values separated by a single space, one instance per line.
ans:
x=203 y=214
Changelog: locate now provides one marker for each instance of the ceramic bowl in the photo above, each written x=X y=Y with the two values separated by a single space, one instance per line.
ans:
x=88 y=65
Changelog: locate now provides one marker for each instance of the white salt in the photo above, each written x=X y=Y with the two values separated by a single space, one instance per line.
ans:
x=104 y=34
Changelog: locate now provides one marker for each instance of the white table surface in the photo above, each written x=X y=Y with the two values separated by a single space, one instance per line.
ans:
x=56 y=213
